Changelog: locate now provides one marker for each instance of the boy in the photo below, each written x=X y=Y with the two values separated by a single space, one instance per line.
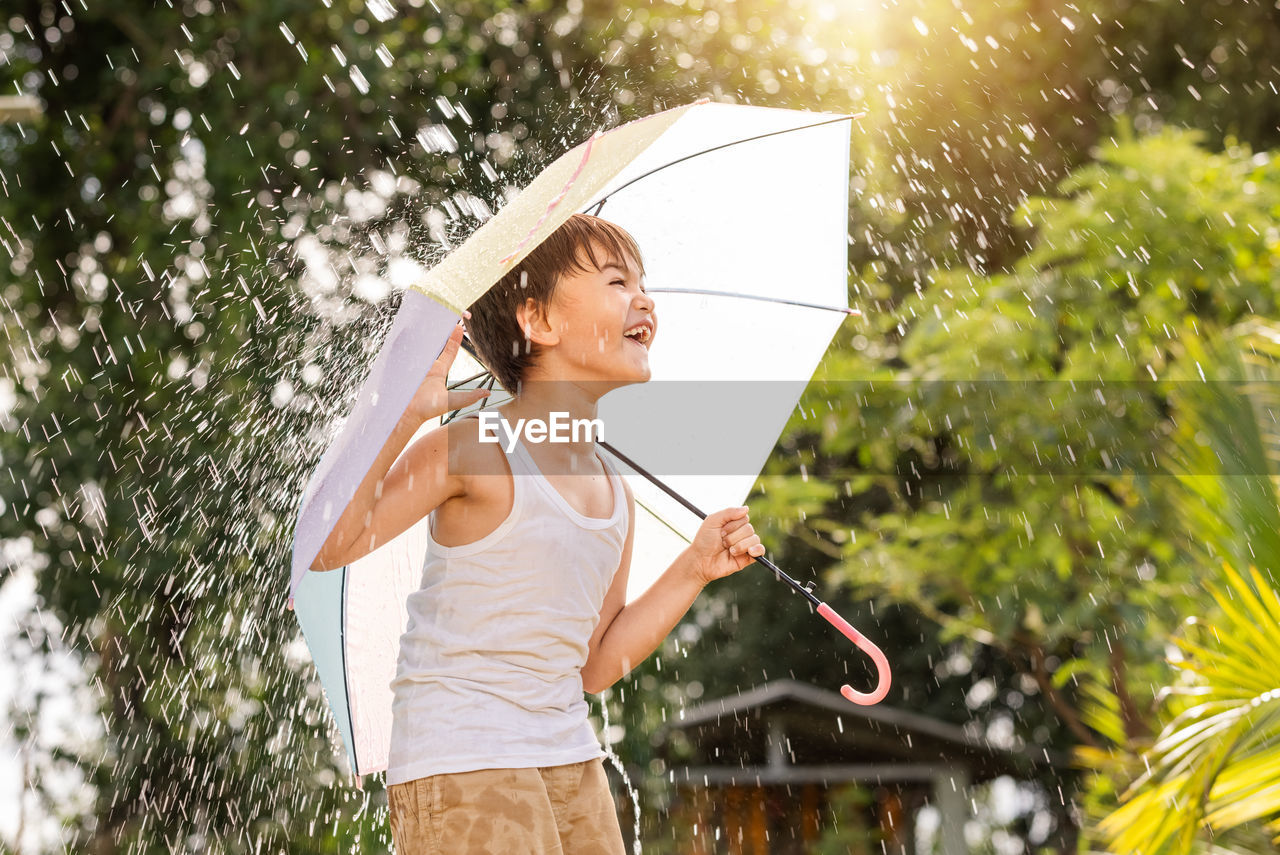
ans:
x=522 y=606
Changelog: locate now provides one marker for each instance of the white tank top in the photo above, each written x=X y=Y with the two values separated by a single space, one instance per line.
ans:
x=489 y=672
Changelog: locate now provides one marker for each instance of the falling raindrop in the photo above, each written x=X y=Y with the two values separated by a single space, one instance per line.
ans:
x=381 y=9
x=357 y=77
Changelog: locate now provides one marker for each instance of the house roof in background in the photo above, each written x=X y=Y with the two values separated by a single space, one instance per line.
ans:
x=794 y=725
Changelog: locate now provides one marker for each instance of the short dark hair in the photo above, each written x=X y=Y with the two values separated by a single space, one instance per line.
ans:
x=493 y=326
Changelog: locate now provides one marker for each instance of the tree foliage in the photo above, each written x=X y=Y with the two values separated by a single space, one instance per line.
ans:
x=1210 y=776
x=1004 y=464
x=204 y=235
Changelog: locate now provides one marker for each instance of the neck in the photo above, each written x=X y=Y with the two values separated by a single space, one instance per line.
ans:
x=540 y=398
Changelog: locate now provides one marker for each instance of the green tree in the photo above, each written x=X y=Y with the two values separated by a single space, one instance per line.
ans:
x=997 y=469
x=1211 y=774
x=201 y=241
x=958 y=133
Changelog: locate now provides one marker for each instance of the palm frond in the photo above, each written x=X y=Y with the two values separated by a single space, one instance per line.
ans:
x=1227 y=412
x=1212 y=779
x=1217 y=765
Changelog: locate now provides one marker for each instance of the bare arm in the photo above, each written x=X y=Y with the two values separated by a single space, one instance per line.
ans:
x=628 y=633
x=397 y=491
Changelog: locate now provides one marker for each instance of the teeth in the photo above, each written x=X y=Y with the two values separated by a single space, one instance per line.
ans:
x=640 y=333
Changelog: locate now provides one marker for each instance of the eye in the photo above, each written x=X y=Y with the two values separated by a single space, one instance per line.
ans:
x=621 y=282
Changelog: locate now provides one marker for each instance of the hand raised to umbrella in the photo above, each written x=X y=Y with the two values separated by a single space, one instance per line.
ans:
x=434 y=398
x=724 y=544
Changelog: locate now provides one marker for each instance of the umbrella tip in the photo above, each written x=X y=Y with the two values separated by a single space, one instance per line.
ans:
x=289 y=605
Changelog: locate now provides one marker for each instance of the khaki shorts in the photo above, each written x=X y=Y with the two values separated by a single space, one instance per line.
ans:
x=553 y=810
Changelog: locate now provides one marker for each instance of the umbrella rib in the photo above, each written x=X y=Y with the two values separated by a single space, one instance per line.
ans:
x=600 y=204
x=709 y=293
x=346 y=674
x=461 y=383
x=654 y=513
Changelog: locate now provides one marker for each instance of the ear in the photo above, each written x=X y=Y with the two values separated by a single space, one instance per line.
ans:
x=532 y=318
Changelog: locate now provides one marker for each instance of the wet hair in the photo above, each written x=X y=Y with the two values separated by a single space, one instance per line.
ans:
x=494 y=328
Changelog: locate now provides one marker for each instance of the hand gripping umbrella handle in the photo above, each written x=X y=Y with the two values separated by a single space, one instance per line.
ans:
x=868 y=647
x=864 y=644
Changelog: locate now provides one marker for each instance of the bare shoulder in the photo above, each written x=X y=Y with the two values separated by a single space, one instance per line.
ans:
x=470 y=457
x=452 y=454
x=486 y=489
x=475 y=470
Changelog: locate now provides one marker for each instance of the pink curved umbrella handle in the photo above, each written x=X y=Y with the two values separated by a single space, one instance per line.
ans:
x=866 y=646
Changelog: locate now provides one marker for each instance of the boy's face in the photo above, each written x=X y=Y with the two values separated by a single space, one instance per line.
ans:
x=590 y=316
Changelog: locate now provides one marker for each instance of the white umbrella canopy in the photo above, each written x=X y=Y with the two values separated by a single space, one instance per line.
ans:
x=759 y=215
x=741 y=214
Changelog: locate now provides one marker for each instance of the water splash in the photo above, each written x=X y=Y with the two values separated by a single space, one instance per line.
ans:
x=626 y=779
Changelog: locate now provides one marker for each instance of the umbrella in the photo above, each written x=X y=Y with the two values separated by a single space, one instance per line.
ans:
x=697 y=186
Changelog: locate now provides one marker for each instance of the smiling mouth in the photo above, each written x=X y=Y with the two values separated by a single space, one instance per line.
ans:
x=641 y=335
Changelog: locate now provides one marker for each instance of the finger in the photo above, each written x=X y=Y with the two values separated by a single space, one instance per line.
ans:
x=748 y=545
x=732 y=527
x=460 y=398
x=728 y=519
x=454 y=339
x=736 y=537
x=450 y=350
x=720 y=518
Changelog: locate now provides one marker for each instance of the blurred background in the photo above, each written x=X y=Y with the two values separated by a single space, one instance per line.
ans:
x=1038 y=469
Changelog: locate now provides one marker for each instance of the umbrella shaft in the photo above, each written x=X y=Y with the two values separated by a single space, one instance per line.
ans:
x=802 y=590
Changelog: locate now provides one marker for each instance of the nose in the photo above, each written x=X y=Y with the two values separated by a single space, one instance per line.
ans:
x=644 y=300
